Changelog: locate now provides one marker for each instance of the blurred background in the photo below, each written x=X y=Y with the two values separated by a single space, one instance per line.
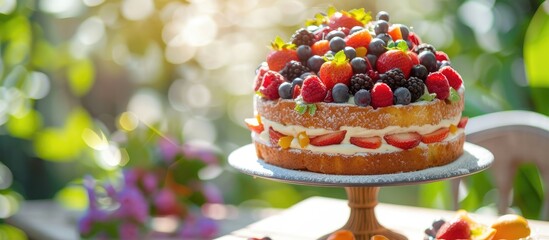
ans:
x=76 y=76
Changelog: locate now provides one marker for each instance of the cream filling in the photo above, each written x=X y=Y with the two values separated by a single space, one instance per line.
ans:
x=345 y=147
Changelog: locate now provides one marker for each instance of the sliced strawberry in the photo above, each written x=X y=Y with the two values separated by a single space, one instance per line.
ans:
x=403 y=140
x=274 y=136
x=463 y=122
x=436 y=136
x=457 y=229
x=367 y=142
x=254 y=125
x=296 y=92
x=359 y=39
x=328 y=139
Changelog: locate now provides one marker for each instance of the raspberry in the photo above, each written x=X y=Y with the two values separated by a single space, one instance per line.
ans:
x=437 y=83
x=416 y=87
x=441 y=56
x=453 y=77
x=261 y=70
x=394 y=78
x=382 y=95
x=270 y=84
x=425 y=47
x=303 y=37
x=293 y=69
x=313 y=89
x=361 y=81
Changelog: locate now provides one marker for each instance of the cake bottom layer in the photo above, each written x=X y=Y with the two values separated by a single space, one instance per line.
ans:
x=418 y=158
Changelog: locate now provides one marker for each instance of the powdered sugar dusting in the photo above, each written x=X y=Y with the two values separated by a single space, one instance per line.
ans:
x=474 y=159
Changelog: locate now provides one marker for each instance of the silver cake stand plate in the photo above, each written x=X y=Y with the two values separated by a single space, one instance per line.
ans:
x=362 y=190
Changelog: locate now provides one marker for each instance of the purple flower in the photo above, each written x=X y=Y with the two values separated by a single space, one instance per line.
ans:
x=128 y=230
x=198 y=228
x=94 y=214
x=166 y=203
x=212 y=193
x=208 y=228
x=202 y=152
x=133 y=205
x=131 y=176
x=169 y=148
x=150 y=182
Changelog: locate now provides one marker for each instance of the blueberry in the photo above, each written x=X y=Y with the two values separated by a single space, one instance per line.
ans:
x=419 y=71
x=405 y=32
x=362 y=98
x=315 y=62
x=337 y=44
x=410 y=44
x=297 y=81
x=382 y=15
x=329 y=52
x=304 y=52
x=372 y=59
x=350 y=52
x=359 y=65
x=356 y=29
x=385 y=37
x=445 y=63
x=285 y=90
x=335 y=33
x=381 y=26
x=306 y=74
x=402 y=96
x=428 y=59
x=340 y=93
x=377 y=47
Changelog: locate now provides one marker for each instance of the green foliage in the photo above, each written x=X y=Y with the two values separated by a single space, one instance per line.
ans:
x=81 y=75
x=528 y=191
x=8 y=232
x=536 y=49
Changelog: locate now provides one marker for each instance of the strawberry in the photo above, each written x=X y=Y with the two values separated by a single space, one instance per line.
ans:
x=337 y=70
x=457 y=229
x=270 y=84
x=394 y=32
x=343 y=19
x=403 y=140
x=441 y=56
x=463 y=122
x=274 y=136
x=436 y=136
x=328 y=139
x=254 y=125
x=320 y=47
x=437 y=83
x=395 y=58
x=321 y=33
x=282 y=53
x=329 y=98
x=382 y=96
x=313 y=90
x=359 y=39
x=453 y=77
x=261 y=70
x=367 y=142
x=413 y=56
x=296 y=92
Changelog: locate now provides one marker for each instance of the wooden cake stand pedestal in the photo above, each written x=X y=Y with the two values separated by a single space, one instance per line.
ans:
x=362 y=190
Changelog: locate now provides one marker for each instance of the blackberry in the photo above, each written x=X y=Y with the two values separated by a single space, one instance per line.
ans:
x=416 y=87
x=423 y=47
x=303 y=37
x=293 y=69
x=361 y=81
x=394 y=78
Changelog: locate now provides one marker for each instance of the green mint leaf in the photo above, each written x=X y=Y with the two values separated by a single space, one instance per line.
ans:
x=454 y=95
x=403 y=46
x=391 y=45
x=300 y=108
x=277 y=43
x=340 y=57
x=331 y=11
x=427 y=96
x=312 y=109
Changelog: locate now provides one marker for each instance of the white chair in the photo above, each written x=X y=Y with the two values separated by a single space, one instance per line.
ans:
x=514 y=137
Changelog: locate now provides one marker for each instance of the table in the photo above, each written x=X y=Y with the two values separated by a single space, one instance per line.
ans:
x=316 y=216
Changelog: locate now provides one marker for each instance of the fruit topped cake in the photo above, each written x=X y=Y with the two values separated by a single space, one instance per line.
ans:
x=348 y=94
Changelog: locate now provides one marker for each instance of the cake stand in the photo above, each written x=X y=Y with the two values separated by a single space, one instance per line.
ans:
x=362 y=190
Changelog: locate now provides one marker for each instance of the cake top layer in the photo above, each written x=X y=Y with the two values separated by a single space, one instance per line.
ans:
x=349 y=57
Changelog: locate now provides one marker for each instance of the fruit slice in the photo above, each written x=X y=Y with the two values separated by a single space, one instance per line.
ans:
x=328 y=139
x=457 y=229
x=463 y=122
x=479 y=231
x=285 y=142
x=274 y=136
x=453 y=128
x=359 y=39
x=511 y=226
x=303 y=139
x=254 y=125
x=367 y=142
x=403 y=140
x=342 y=234
x=436 y=136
